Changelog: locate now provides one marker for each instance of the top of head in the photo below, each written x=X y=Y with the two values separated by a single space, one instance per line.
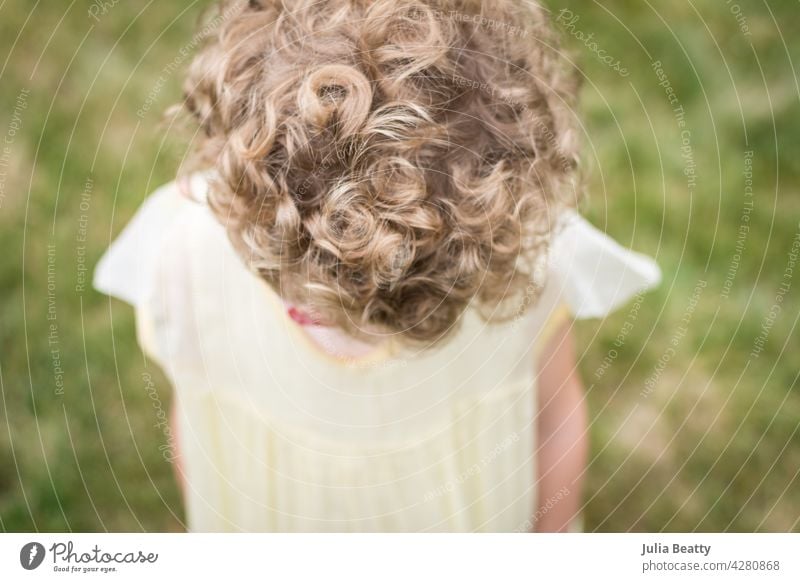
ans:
x=389 y=162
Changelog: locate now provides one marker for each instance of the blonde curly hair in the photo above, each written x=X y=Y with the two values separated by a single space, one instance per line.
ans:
x=391 y=162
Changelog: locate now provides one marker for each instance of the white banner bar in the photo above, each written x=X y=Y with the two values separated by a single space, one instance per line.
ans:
x=400 y=557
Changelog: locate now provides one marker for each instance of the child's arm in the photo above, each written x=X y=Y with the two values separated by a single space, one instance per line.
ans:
x=562 y=430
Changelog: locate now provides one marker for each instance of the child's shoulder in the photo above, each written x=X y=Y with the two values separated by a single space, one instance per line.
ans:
x=588 y=271
x=170 y=221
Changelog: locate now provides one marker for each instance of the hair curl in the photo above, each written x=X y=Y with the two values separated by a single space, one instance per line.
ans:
x=387 y=162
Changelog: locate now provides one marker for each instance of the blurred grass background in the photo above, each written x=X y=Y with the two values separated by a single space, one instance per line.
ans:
x=713 y=445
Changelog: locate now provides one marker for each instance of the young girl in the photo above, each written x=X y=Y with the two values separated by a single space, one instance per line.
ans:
x=364 y=300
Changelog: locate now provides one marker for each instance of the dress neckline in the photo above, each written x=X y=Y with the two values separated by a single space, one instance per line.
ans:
x=382 y=352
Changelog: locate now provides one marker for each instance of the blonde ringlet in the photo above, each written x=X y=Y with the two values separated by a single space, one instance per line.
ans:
x=388 y=163
x=317 y=97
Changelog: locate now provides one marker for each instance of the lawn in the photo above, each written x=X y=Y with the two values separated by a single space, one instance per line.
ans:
x=691 y=124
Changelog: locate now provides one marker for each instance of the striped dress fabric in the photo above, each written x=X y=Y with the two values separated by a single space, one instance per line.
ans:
x=280 y=433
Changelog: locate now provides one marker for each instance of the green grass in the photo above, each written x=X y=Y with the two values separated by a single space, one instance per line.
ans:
x=713 y=447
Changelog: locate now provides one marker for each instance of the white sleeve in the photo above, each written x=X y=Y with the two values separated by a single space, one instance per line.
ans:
x=140 y=261
x=126 y=270
x=594 y=273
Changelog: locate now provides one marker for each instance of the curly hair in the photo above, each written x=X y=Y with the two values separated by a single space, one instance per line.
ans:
x=391 y=162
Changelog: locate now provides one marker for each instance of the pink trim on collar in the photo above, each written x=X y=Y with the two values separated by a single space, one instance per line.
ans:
x=303 y=317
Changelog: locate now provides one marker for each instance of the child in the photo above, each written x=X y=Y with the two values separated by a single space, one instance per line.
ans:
x=364 y=300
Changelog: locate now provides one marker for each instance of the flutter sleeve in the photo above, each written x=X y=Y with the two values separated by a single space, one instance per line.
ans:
x=132 y=265
x=593 y=273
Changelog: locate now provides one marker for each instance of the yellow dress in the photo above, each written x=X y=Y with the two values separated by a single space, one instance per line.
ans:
x=278 y=434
